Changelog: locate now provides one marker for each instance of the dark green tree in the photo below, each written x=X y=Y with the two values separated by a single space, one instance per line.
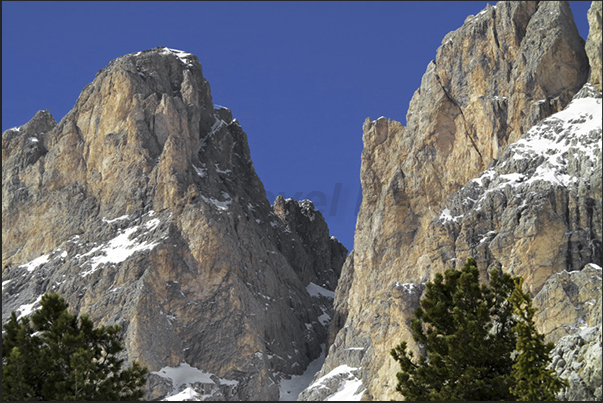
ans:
x=478 y=342
x=533 y=381
x=54 y=355
x=464 y=329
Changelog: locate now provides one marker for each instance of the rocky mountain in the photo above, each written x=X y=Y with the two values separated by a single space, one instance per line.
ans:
x=143 y=209
x=500 y=160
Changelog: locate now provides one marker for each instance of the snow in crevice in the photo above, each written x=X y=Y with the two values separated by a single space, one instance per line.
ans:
x=215 y=128
x=184 y=57
x=5 y=283
x=121 y=247
x=316 y=290
x=152 y=224
x=487 y=236
x=185 y=376
x=323 y=299
x=289 y=389
x=27 y=309
x=218 y=124
x=220 y=205
x=42 y=260
x=349 y=390
x=409 y=288
x=188 y=394
x=574 y=131
x=350 y=387
x=446 y=216
x=116 y=250
x=123 y=217
x=324 y=318
x=91 y=257
x=202 y=172
x=37 y=262
x=222 y=171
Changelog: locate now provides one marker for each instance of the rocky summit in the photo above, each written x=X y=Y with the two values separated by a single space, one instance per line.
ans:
x=143 y=209
x=500 y=160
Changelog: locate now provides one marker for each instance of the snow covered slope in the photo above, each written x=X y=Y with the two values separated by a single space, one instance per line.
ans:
x=537 y=209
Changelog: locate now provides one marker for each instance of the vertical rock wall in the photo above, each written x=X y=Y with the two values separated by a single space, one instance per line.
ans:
x=494 y=78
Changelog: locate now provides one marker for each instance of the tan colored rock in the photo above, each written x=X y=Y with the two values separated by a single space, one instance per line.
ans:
x=594 y=44
x=568 y=301
x=142 y=208
x=543 y=191
x=494 y=78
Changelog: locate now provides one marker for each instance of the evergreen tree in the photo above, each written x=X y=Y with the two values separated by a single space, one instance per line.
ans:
x=464 y=329
x=470 y=334
x=533 y=381
x=57 y=356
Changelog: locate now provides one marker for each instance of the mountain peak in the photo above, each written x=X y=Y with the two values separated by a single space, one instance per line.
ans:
x=493 y=80
x=142 y=208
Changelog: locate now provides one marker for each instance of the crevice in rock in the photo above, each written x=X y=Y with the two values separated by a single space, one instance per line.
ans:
x=568 y=221
x=593 y=243
x=494 y=33
x=467 y=134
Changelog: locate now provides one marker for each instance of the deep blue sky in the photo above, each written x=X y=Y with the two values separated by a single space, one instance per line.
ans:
x=300 y=77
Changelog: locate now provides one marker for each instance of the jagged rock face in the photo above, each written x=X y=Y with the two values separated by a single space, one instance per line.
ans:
x=536 y=210
x=142 y=208
x=494 y=78
x=340 y=303
x=569 y=313
x=324 y=256
x=577 y=356
x=593 y=45
x=569 y=301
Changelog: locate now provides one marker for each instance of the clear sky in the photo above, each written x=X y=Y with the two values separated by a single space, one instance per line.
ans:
x=300 y=77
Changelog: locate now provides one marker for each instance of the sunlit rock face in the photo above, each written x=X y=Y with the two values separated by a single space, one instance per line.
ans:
x=500 y=160
x=593 y=44
x=142 y=208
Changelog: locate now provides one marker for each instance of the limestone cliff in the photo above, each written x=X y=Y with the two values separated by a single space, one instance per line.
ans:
x=593 y=44
x=570 y=314
x=536 y=210
x=142 y=208
x=478 y=170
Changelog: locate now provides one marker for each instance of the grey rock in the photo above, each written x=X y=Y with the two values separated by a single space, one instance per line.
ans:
x=593 y=44
x=577 y=358
x=325 y=255
x=501 y=73
x=143 y=209
x=340 y=303
x=532 y=197
x=568 y=301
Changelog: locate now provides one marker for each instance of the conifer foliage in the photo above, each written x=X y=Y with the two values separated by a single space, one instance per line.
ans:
x=469 y=334
x=533 y=381
x=53 y=355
